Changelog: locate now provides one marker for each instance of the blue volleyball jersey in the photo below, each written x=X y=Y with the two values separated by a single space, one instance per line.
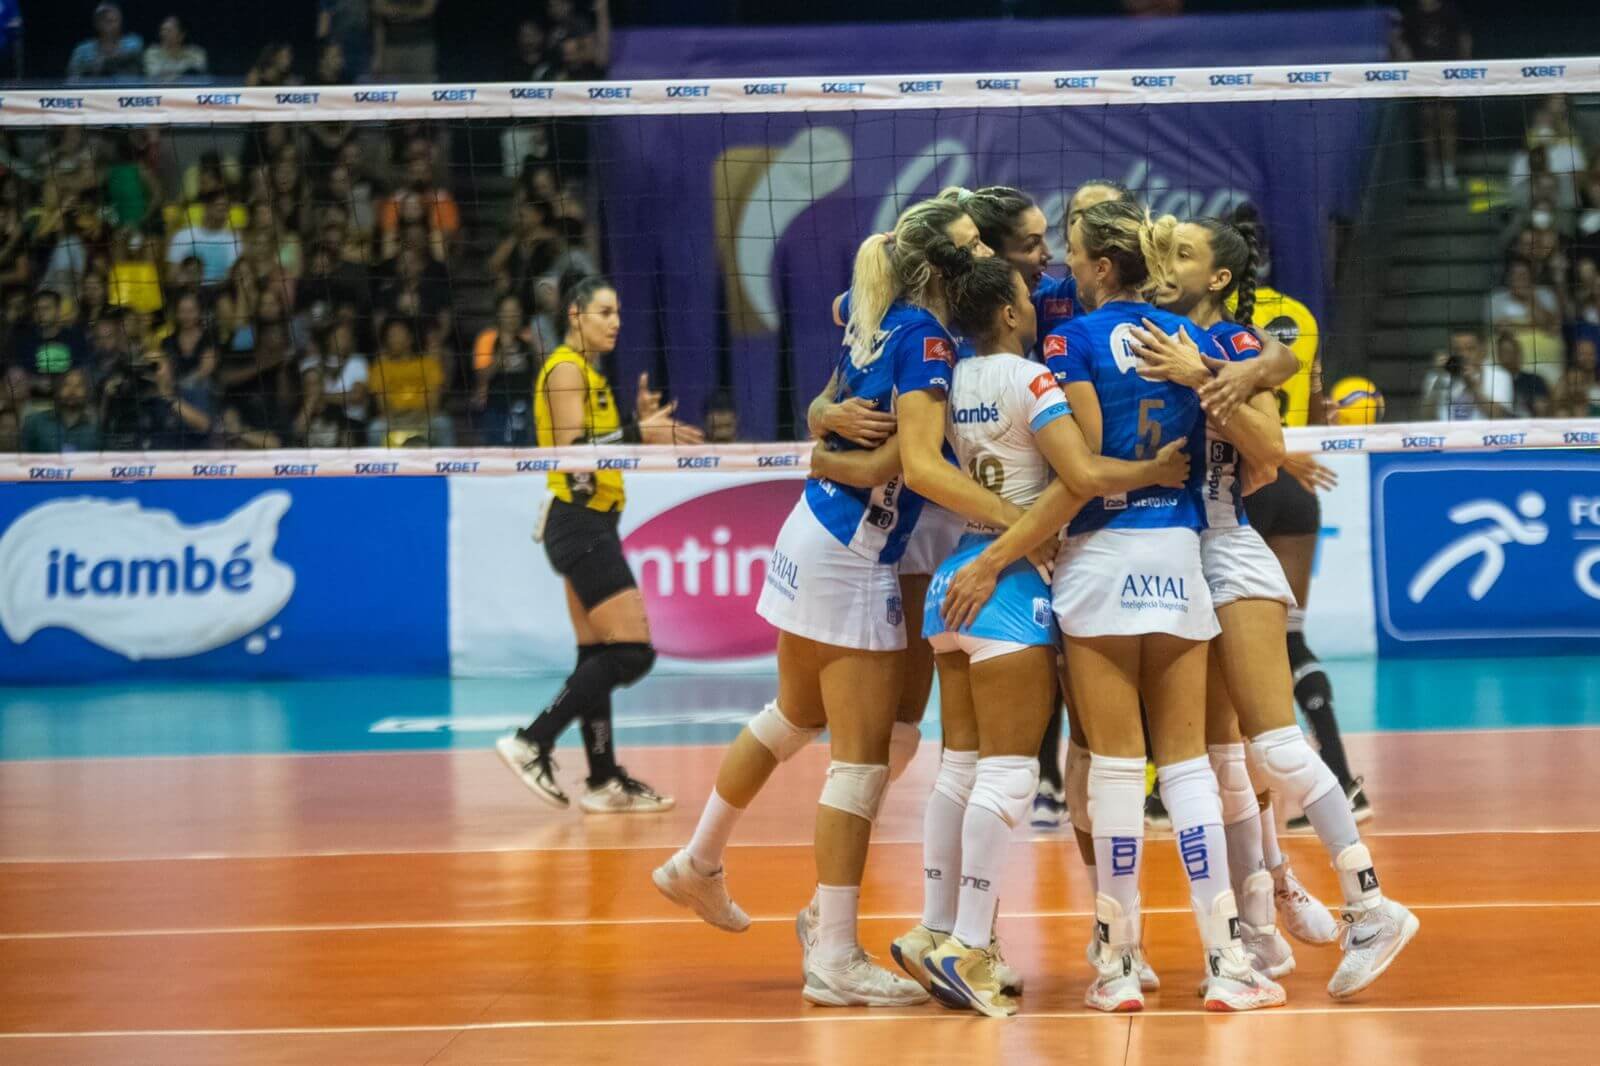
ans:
x=1222 y=492
x=1138 y=415
x=912 y=352
x=1054 y=301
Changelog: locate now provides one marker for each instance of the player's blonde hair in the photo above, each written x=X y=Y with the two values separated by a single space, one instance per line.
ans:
x=908 y=263
x=1138 y=246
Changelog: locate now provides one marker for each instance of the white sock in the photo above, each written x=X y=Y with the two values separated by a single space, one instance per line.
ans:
x=1334 y=822
x=984 y=839
x=836 y=931
x=1245 y=853
x=1189 y=789
x=941 y=838
x=1116 y=798
x=711 y=833
x=1271 y=854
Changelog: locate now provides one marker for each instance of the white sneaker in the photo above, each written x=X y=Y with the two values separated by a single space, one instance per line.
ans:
x=705 y=894
x=1231 y=984
x=1116 y=986
x=1269 y=953
x=805 y=931
x=1373 y=938
x=1300 y=913
x=534 y=767
x=624 y=795
x=860 y=983
x=1149 y=980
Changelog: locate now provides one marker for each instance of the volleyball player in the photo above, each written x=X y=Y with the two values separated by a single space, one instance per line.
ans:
x=1288 y=516
x=1008 y=427
x=1209 y=263
x=1130 y=596
x=574 y=405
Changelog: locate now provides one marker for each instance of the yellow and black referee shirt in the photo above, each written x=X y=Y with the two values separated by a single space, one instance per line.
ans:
x=1292 y=323
x=600 y=490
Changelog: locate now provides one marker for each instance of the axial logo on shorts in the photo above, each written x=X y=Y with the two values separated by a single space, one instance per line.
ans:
x=1141 y=592
x=893 y=611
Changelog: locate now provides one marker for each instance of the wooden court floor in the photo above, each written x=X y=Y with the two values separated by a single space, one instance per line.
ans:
x=403 y=909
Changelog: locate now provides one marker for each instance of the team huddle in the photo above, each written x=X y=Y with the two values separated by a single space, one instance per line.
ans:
x=1046 y=478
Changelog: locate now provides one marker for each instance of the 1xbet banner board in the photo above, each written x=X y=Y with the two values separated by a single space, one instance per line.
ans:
x=1487 y=554
x=735 y=232
x=223 y=579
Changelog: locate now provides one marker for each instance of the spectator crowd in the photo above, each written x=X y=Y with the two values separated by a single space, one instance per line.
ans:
x=299 y=284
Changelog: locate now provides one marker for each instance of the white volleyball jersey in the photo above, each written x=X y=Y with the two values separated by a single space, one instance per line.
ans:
x=997 y=403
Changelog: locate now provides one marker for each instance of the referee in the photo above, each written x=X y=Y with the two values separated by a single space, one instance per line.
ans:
x=1288 y=516
x=573 y=405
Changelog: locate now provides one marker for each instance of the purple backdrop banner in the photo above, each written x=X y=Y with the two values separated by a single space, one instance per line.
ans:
x=729 y=235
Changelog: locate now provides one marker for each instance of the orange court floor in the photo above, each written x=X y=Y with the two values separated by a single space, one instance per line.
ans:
x=409 y=908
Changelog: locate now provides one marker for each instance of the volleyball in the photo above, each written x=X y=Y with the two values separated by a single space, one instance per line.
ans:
x=1356 y=402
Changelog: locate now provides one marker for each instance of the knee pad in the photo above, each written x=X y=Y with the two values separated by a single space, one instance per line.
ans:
x=779 y=735
x=1233 y=781
x=628 y=662
x=1293 y=770
x=1189 y=789
x=904 y=740
x=1005 y=786
x=855 y=788
x=957 y=772
x=1116 y=797
x=1078 y=788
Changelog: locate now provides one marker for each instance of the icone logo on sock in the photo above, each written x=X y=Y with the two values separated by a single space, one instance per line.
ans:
x=140 y=582
x=701 y=565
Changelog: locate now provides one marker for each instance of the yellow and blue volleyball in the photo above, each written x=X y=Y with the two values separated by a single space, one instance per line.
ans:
x=1356 y=402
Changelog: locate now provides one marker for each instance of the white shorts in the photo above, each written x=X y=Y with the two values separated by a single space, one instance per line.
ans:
x=933 y=539
x=818 y=589
x=978 y=649
x=1239 y=566
x=1130 y=582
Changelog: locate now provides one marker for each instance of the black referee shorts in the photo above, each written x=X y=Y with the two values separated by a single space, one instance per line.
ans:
x=1284 y=508
x=585 y=548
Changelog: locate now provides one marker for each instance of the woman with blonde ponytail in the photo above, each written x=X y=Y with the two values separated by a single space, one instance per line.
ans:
x=1256 y=746
x=831 y=590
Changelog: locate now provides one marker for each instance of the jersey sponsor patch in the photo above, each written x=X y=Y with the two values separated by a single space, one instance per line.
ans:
x=937 y=350
x=1058 y=308
x=1042 y=385
x=1054 y=345
x=1245 y=341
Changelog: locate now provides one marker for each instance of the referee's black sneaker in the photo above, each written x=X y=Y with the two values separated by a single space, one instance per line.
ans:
x=624 y=795
x=534 y=767
x=1360 y=806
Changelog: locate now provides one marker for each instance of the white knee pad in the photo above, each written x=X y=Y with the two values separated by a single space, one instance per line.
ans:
x=855 y=788
x=1233 y=779
x=1292 y=769
x=1189 y=789
x=1005 y=786
x=1260 y=780
x=957 y=772
x=779 y=735
x=1116 y=797
x=904 y=739
x=1077 y=782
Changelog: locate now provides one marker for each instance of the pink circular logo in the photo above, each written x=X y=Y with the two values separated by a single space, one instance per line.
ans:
x=701 y=564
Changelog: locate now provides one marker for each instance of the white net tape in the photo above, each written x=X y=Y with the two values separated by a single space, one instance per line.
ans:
x=777 y=458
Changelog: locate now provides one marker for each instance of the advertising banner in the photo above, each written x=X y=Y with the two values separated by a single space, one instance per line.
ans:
x=1495 y=554
x=222 y=579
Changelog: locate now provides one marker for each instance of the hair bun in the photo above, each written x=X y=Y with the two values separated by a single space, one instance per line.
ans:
x=950 y=262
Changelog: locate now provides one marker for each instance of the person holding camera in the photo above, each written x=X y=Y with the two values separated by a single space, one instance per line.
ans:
x=1461 y=387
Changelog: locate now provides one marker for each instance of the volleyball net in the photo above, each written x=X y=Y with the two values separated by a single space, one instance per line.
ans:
x=334 y=281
